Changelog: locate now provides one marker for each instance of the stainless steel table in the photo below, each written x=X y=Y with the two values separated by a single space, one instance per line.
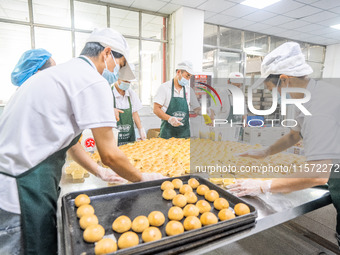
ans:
x=272 y=210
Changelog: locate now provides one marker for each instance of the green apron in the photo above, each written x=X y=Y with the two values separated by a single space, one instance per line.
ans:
x=125 y=124
x=38 y=190
x=178 y=107
x=231 y=115
x=334 y=190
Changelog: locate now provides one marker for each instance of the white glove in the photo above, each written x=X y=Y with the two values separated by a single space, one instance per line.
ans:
x=257 y=154
x=108 y=175
x=142 y=133
x=151 y=176
x=175 y=122
x=250 y=187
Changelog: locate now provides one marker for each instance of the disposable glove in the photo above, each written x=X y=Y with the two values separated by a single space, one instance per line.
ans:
x=142 y=133
x=151 y=176
x=257 y=154
x=108 y=175
x=250 y=187
x=175 y=122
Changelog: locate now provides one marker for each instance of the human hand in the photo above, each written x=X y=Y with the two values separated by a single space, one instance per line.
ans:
x=250 y=187
x=108 y=175
x=257 y=154
x=175 y=122
x=142 y=133
x=117 y=111
x=151 y=176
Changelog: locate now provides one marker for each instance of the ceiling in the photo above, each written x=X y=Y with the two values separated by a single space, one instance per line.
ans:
x=302 y=20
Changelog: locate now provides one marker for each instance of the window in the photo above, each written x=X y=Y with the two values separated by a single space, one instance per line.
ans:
x=210 y=34
x=14 y=10
x=51 y=28
x=89 y=16
x=255 y=44
x=52 y=12
x=57 y=42
x=134 y=62
x=126 y=22
x=220 y=42
x=80 y=41
x=153 y=27
x=12 y=38
x=276 y=42
x=230 y=38
x=151 y=63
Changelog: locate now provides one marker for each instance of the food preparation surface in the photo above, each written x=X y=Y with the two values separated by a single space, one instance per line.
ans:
x=141 y=199
x=272 y=210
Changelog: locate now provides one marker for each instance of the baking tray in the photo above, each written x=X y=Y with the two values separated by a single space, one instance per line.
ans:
x=142 y=198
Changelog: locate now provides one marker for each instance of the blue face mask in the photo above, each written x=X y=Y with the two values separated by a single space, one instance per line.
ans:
x=124 y=85
x=183 y=82
x=111 y=77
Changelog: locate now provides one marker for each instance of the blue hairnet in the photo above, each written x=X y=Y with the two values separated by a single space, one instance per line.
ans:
x=28 y=64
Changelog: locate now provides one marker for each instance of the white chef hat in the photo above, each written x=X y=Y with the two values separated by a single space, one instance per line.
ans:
x=185 y=65
x=122 y=75
x=236 y=77
x=286 y=59
x=108 y=37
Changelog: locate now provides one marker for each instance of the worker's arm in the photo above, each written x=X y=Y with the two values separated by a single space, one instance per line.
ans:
x=282 y=144
x=314 y=173
x=112 y=156
x=80 y=156
x=157 y=109
x=136 y=119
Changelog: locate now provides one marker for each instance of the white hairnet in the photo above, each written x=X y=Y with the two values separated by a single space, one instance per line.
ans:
x=286 y=59
x=185 y=65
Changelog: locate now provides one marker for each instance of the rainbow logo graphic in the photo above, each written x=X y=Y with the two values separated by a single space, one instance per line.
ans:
x=209 y=93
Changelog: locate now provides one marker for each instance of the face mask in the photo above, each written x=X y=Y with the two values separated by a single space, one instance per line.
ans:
x=124 y=85
x=111 y=77
x=183 y=82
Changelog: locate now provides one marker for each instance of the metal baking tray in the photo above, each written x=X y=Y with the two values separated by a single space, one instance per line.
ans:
x=142 y=198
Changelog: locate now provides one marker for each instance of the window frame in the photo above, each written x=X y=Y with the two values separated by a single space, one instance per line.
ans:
x=73 y=30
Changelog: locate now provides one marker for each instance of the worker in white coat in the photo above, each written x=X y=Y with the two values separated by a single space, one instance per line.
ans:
x=172 y=103
x=43 y=119
x=285 y=67
x=34 y=61
x=127 y=105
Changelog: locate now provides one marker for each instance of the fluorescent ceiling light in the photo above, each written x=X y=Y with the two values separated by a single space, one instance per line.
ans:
x=259 y=4
x=252 y=48
x=336 y=26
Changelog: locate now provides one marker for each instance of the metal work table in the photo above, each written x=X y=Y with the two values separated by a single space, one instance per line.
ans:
x=272 y=210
